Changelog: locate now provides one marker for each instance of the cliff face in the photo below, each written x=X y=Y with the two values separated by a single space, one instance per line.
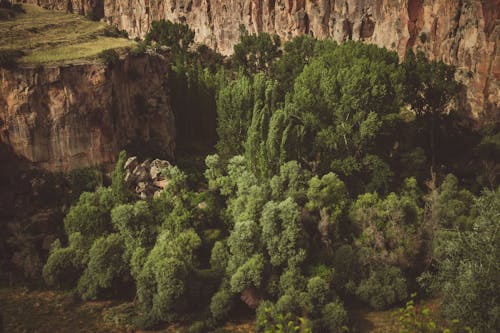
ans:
x=73 y=116
x=464 y=33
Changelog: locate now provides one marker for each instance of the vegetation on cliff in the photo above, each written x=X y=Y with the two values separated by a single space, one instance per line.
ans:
x=341 y=176
x=44 y=36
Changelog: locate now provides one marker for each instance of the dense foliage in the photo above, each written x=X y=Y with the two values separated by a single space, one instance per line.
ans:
x=331 y=185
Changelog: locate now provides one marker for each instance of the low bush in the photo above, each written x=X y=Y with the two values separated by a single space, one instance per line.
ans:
x=8 y=58
x=115 y=32
x=109 y=57
x=92 y=16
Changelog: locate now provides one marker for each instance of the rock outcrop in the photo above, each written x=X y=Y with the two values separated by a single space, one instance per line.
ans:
x=145 y=179
x=71 y=116
x=463 y=33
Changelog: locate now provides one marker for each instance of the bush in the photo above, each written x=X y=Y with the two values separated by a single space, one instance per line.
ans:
x=468 y=274
x=270 y=320
x=8 y=58
x=139 y=49
x=334 y=318
x=109 y=57
x=106 y=265
x=65 y=265
x=61 y=269
x=115 y=32
x=92 y=16
x=90 y=215
x=411 y=319
x=15 y=7
x=423 y=37
x=383 y=288
x=177 y=36
x=221 y=303
x=84 y=179
x=318 y=291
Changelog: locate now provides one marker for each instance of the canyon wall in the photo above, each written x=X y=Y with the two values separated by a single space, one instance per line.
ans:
x=464 y=33
x=71 y=116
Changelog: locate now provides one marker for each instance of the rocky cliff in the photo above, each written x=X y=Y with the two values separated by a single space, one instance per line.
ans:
x=69 y=116
x=464 y=33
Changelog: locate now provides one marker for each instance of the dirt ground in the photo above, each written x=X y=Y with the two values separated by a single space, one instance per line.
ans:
x=42 y=311
x=45 y=311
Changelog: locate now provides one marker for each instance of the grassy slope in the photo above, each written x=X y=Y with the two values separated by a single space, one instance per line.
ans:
x=49 y=36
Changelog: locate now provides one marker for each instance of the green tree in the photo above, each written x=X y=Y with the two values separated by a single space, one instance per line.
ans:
x=105 y=268
x=177 y=36
x=429 y=87
x=90 y=215
x=345 y=102
x=256 y=53
x=118 y=186
x=234 y=113
x=388 y=228
x=163 y=283
x=282 y=231
x=468 y=275
x=384 y=287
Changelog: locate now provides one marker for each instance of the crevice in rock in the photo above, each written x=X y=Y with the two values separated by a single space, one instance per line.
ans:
x=415 y=14
x=367 y=27
x=326 y=17
x=347 y=30
x=306 y=24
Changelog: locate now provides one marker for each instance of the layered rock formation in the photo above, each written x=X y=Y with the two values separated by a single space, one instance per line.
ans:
x=65 y=117
x=463 y=33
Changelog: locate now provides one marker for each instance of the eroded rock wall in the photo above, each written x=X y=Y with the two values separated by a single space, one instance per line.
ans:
x=464 y=33
x=65 y=117
x=81 y=7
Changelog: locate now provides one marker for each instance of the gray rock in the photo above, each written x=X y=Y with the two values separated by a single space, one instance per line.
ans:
x=131 y=163
x=141 y=173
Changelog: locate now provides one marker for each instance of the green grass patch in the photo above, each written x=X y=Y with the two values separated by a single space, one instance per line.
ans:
x=49 y=36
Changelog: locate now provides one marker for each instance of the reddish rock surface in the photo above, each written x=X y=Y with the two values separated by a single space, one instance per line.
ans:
x=71 y=116
x=463 y=33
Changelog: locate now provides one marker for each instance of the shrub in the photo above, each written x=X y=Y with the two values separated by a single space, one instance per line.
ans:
x=115 y=32
x=91 y=15
x=318 y=291
x=412 y=319
x=8 y=58
x=469 y=271
x=106 y=264
x=177 y=36
x=334 y=318
x=84 y=179
x=65 y=265
x=269 y=320
x=139 y=49
x=61 y=270
x=109 y=57
x=221 y=303
x=384 y=287
x=90 y=215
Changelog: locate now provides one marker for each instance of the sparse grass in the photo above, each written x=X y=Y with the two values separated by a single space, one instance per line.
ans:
x=75 y=51
x=49 y=36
